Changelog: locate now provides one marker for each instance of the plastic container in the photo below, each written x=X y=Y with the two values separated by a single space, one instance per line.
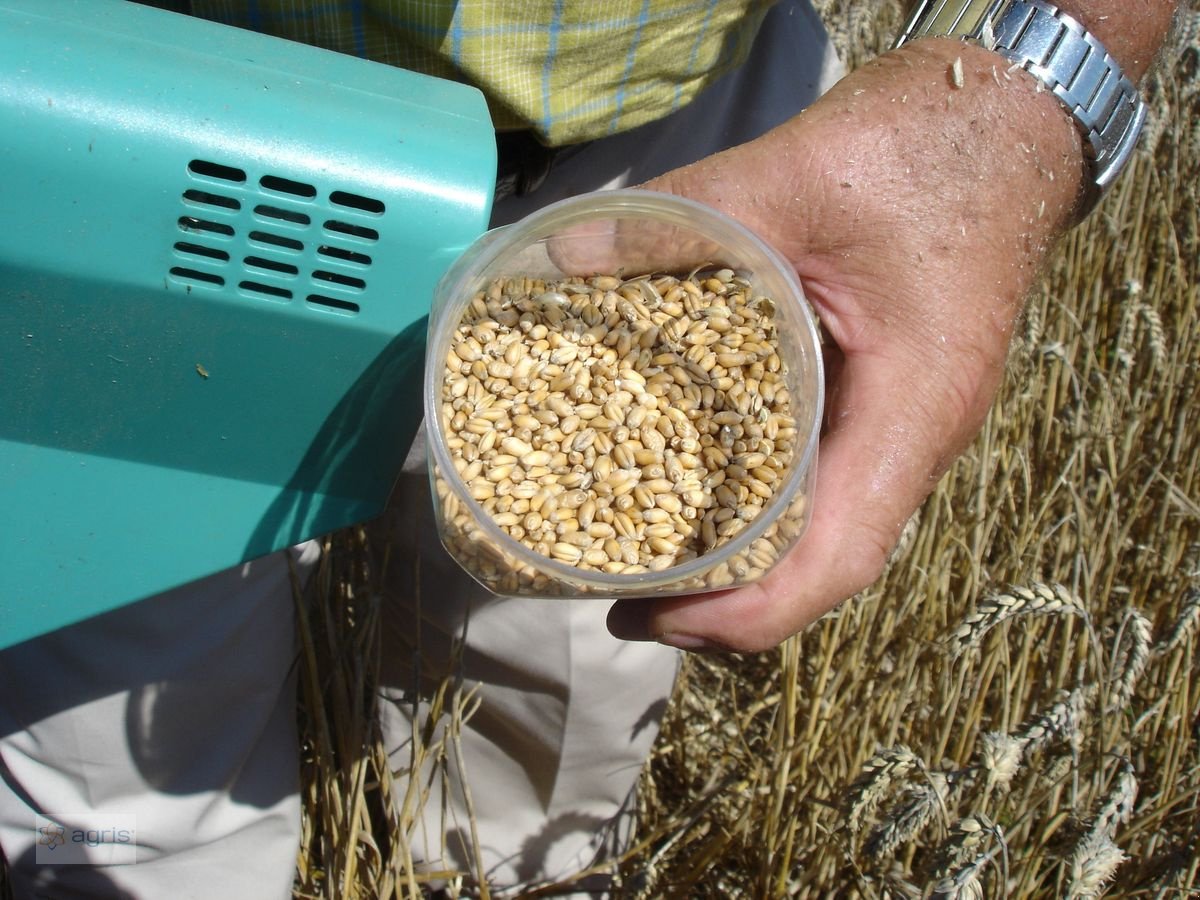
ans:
x=623 y=233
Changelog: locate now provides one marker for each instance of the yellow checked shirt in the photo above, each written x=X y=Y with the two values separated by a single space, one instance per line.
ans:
x=569 y=70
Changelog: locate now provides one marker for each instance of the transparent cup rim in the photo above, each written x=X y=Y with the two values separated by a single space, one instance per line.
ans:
x=537 y=226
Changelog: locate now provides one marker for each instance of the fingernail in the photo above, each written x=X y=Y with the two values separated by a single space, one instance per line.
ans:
x=630 y=621
x=691 y=643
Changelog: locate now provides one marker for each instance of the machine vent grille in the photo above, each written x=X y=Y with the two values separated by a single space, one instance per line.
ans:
x=259 y=238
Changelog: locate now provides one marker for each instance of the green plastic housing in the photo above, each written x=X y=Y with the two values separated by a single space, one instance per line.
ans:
x=217 y=255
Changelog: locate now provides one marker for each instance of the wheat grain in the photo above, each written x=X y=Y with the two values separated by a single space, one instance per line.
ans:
x=1097 y=856
x=1158 y=120
x=964 y=883
x=619 y=427
x=1057 y=769
x=1118 y=807
x=1122 y=356
x=1036 y=599
x=907 y=536
x=1185 y=33
x=1034 y=327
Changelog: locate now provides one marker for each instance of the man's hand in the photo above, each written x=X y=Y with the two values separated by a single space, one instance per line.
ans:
x=917 y=201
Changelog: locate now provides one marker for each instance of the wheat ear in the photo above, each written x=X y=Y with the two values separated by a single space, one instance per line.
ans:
x=1156 y=335
x=1035 y=600
x=1118 y=807
x=1185 y=626
x=964 y=856
x=879 y=773
x=1000 y=757
x=921 y=802
x=1093 y=864
x=1132 y=653
x=1062 y=721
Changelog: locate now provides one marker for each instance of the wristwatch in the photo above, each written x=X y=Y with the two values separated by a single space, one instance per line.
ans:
x=1058 y=51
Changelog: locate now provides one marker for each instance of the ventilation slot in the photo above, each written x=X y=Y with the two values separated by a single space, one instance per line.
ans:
x=196 y=276
x=285 y=215
x=287 y=186
x=275 y=240
x=336 y=278
x=357 y=231
x=281 y=260
x=356 y=201
x=271 y=265
x=206 y=169
x=207 y=199
x=266 y=290
x=360 y=259
x=191 y=223
x=333 y=303
x=200 y=250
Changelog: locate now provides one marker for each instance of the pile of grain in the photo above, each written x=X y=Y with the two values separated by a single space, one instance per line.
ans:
x=618 y=426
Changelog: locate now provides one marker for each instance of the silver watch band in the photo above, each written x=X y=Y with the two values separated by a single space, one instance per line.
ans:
x=1065 y=57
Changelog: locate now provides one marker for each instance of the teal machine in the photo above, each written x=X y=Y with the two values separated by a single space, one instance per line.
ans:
x=217 y=252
